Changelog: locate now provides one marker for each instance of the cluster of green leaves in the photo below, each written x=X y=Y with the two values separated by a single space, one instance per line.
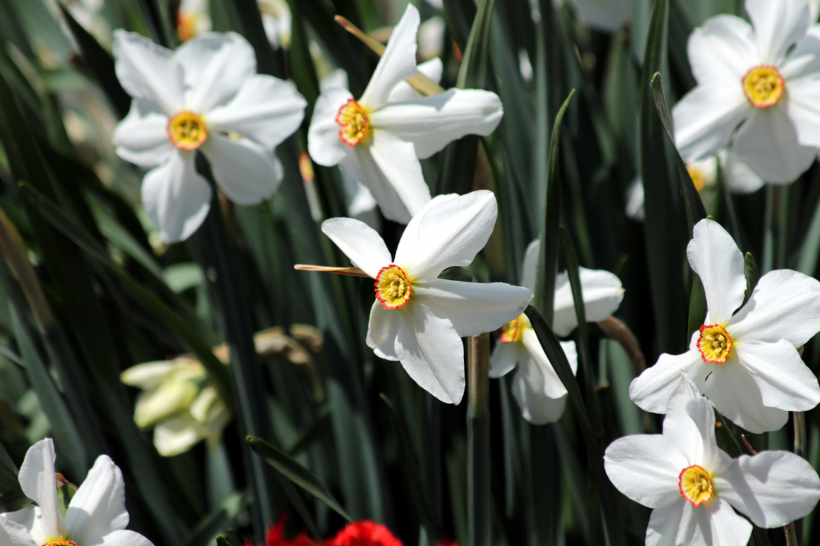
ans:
x=85 y=291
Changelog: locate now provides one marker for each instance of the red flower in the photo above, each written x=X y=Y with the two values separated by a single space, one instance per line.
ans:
x=364 y=533
x=276 y=536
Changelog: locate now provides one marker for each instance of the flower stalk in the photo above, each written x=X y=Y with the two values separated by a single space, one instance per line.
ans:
x=478 y=441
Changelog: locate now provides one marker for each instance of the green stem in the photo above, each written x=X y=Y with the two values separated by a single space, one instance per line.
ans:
x=478 y=442
x=799 y=433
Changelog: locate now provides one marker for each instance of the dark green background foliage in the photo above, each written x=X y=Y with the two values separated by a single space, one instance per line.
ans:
x=370 y=444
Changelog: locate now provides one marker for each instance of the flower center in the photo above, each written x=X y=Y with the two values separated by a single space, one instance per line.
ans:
x=393 y=288
x=695 y=485
x=61 y=543
x=187 y=130
x=511 y=332
x=698 y=179
x=763 y=86
x=353 y=120
x=715 y=343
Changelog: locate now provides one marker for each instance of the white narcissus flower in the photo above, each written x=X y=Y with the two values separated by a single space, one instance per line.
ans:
x=95 y=515
x=745 y=358
x=693 y=486
x=763 y=80
x=203 y=96
x=179 y=403
x=607 y=15
x=536 y=387
x=378 y=139
x=417 y=318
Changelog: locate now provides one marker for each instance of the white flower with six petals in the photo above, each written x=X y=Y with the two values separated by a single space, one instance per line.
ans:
x=200 y=97
x=745 y=358
x=417 y=318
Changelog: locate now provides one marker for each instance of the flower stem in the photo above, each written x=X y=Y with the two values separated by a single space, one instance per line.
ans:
x=799 y=433
x=478 y=442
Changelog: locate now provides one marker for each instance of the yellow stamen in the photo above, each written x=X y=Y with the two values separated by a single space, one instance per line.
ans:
x=393 y=287
x=763 y=86
x=698 y=179
x=187 y=131
x=353 y=122
x=715 y=343
x=511 y=332
x=695 y=485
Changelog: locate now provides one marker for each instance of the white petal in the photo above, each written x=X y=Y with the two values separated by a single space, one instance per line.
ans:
x=715 y=523
x=714 y=256
x=473 y=308
x=382 y=330
x=773 y=488
x=737 y=397
x=723 y=49
x=359 y=242
x=768 y=143
x=359 y=166
x=244 y=170
x=448 y=234
x=333 y=79
x=528 y=390
x=552 y=385
x=606 y=15
x=142 y=136
x=147 y=375
x=706 y=118
x=803 y=61
x=148 y=71
x=177 y=435
x=399 y=166
x=98 y=507
x=530 y=267
x=433 y=69
x=14 y=534
x=635 y=200
x=778 y=26
x=266 y=110
x=740 y=178
x=784 y=381
x=216 y=65
x=324 y=144
x=785 y=304
x=803 y=110
x=433 y=122
x=504 y=358
x=176 y=198
x=398 y=62
x=645 y=468
x=122 y=538
x=664 y=524
x=602 y=293
x=39 y=483
x=652 y=389
x=432 y=353
x=411 y=231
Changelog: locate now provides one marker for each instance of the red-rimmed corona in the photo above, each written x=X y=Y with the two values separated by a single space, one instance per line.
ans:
x=715 y=343
x=695 y=485
x=187 y=130
x=763 y=85
x=511 y=332
x=353 y=122
x=393 y=287
x=61 y=543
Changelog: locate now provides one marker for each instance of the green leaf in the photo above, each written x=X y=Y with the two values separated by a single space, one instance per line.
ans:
x=12 y=502
x=297 y=473
x=751 y=273
x=548 y=251
x=697 y=305
x=556 y=356
x=583 y=332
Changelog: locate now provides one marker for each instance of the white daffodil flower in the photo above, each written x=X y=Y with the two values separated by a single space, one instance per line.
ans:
x=606 y=15
x=693 y=486
x=739 y=179
x=95 y=515
x=201 y=97
x=536 y=387
x=179 y=403
x=417 y=318
x=378 y=139
x=765 y=78
x=745 y=358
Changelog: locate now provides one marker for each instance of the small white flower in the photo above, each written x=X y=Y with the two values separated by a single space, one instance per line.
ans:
x=379 y=138
x=200 y=97
x=536 y=387
x=607 y=15
x=693 y=486
x=765 y=78
x=745 y=360
x=95 y=515
x=739 y=179
x=417 y=318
